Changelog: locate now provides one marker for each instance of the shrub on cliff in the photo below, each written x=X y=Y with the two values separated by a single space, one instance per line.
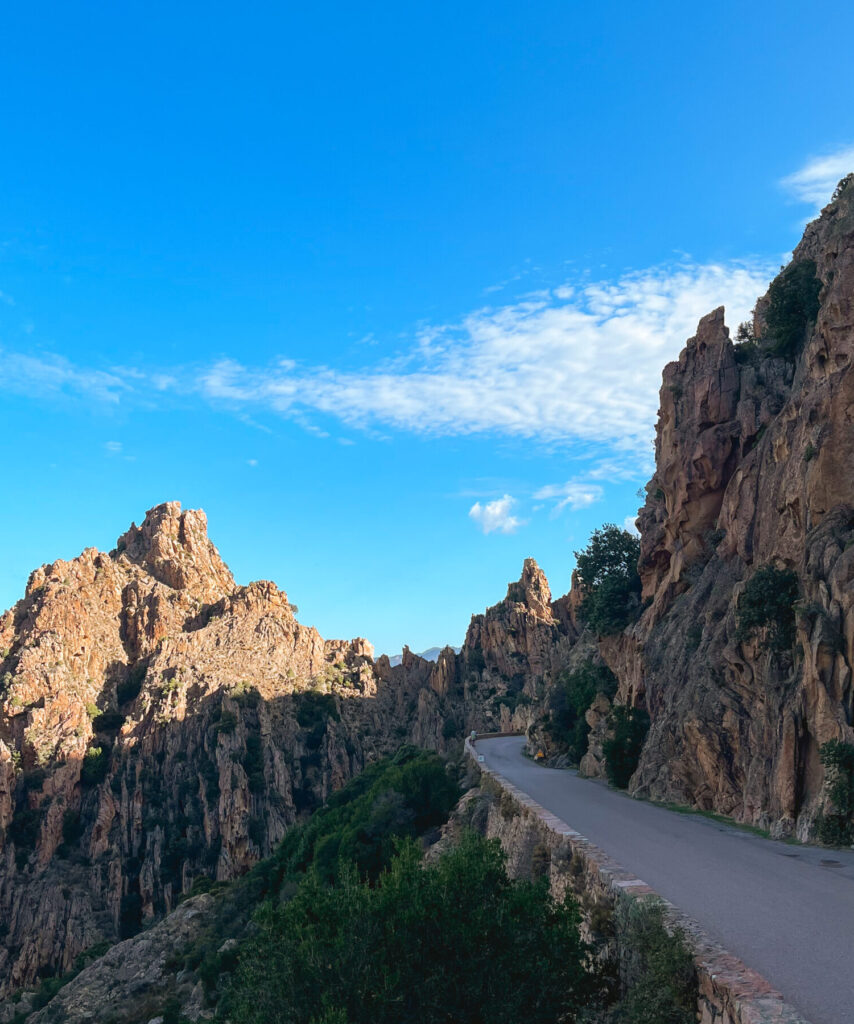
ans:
x=836 y=827
x=570 y=699
x=454 y=941
x=662 y=983
x=622 y=751
x=608 y=568
x=768 y=603
x=793 y=305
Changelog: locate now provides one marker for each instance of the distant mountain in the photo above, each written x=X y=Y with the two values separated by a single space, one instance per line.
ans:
x=431 y=654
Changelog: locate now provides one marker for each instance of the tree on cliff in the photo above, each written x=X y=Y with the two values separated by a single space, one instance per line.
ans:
x=608 y=568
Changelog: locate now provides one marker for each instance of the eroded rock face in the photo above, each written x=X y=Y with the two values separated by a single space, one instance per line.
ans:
x=158 y=722
x=754 y=466
x=154 y=725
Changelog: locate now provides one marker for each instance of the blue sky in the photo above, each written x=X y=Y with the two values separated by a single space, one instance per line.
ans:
x=385 y=289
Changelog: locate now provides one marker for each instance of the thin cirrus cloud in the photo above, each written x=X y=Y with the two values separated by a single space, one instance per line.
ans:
x=574 y=495
x=576 y=364
x=815 y=181
x=496 y=516
x=51 y=375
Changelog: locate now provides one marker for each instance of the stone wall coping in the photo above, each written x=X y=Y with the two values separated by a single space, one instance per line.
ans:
x=745 y=996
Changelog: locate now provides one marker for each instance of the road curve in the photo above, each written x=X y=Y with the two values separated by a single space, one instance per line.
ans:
x=787 y=911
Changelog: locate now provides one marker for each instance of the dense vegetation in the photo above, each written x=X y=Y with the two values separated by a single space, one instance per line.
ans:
x=456 y=941
x=569 y=700
x=608 y=567
x=768 y=603
x=402 y=796
x=835 y=826
x=622 y=750
x=663 y=984
x=793 y=305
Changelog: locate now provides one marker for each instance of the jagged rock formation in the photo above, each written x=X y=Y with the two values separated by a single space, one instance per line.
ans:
x=158 y=722
x=754 y=460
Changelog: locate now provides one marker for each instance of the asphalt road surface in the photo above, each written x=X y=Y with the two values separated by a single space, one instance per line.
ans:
x=787 y=911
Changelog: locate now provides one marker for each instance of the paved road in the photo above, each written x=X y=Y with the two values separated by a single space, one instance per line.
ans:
x=787 y=911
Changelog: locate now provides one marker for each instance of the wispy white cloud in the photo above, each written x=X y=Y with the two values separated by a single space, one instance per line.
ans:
x=574 y=494
x=579 y=364
x=815 y=181
x=113 y=447
x=51 y=375
x=495 y=516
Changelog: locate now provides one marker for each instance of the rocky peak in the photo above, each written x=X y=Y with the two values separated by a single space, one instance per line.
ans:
x=532 y=590
x=173 y=547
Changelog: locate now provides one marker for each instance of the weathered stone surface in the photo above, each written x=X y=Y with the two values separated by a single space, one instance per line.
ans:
x=754 y=465
x=192 y=687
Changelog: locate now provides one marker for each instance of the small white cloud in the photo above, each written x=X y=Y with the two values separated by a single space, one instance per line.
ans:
x=114 y=447
x=495 y=517
x=630 y=525
x=574 y=494
x=252 y=462
x=815 y=181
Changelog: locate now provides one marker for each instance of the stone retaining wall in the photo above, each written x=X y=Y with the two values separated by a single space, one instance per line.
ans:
x=730 y=992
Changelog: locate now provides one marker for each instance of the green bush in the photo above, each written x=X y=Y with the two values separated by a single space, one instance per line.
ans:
x=456 y=941
x=568 y=701
x=837 y=828
x=253 y=763
x=109 y=721
x=622 y=751
x=129 y=688
x=96 y=764
x=608 y=568
x=227 y=723
x=662 y=988
x=768 y=603
x=793 y=305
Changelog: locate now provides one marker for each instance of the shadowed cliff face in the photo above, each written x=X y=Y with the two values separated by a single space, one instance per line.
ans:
x=754 y=466
x=158 y=722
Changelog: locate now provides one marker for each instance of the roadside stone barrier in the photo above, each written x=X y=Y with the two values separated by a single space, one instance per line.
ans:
x=730 y=992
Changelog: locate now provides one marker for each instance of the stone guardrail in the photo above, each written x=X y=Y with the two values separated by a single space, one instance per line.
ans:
x=730 y=992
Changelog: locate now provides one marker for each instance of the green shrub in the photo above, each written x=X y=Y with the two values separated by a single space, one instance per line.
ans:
x=96 y=764
x=662 y=988
x=109 y=721
x=72 y=827
x=24 y=828
x=253 y=763
x=227 y=723
x=129 y=688
x=837 y=828
x=450 y=729
x=793 y=305
x=568 y=702
x=608 y=568
x=475 y=659
x=623 y=749
x=456 y=941
x=768 y=603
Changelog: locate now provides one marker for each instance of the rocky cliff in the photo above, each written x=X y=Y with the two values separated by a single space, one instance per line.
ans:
x=158 y=722
x=754 y=468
